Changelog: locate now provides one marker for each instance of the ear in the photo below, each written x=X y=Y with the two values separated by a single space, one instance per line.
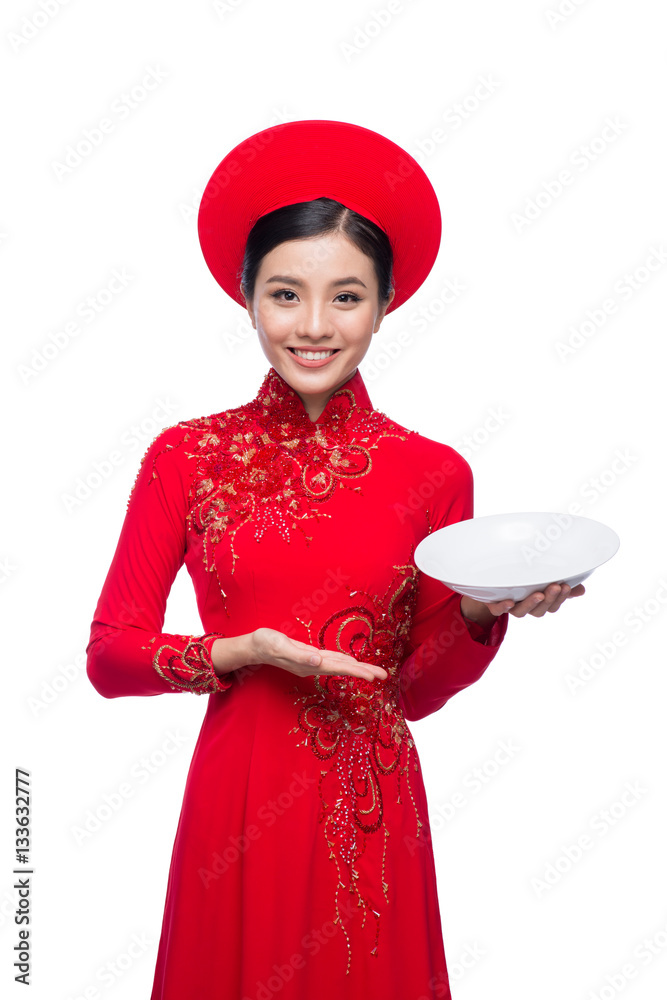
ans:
x=249 y=307
x=383 y=311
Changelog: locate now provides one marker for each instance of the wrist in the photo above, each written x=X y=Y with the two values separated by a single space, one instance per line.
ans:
x=230 y=653
x=475 y=611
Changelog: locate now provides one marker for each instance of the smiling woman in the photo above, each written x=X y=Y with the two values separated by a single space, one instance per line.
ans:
x=302 y=863
x=315 y=323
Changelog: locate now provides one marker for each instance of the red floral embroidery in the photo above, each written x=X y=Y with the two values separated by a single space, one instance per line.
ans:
x=359 y=728
x=267 y=463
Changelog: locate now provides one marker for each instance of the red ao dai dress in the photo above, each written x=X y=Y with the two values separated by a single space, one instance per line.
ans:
x=302 y=866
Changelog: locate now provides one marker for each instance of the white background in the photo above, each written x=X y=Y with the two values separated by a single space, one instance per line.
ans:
x=582 y=427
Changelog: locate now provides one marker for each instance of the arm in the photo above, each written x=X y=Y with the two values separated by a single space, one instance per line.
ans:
x=446 y=652
x=128 y=654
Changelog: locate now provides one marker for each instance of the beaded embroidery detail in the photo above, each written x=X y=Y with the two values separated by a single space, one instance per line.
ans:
x=190 y=669
x=358 y=727
x=268 y=464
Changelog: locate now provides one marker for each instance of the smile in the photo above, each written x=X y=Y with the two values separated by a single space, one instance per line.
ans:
x=312 y=355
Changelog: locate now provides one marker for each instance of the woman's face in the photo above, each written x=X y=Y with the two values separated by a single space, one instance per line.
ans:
x=315 y=308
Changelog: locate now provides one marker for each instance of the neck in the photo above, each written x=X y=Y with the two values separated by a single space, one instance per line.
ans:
x=314 y=403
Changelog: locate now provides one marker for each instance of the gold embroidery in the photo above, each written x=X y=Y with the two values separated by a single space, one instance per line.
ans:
x=190 y=669
x=268 y=464
x=359 y=728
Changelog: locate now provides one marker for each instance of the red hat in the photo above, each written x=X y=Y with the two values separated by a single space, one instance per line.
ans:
x=303 y=160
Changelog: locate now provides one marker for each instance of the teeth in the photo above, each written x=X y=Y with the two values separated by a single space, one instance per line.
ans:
x=313 y=355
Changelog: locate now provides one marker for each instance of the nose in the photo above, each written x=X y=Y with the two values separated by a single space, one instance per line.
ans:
x=314 y=322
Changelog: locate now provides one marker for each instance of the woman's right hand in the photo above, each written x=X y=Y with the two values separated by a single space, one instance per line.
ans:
x=267 y=645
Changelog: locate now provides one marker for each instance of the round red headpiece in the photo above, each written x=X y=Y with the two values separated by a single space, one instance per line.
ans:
x=303 y=160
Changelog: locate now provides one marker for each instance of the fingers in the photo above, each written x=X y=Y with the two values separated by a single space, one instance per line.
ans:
x=500 y=607
x=549 y=600
x=330 y=662
x=528 y=606
x=561 y=594
x=340 y=664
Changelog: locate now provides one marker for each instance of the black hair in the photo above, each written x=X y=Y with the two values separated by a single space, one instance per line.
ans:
x=308 y=219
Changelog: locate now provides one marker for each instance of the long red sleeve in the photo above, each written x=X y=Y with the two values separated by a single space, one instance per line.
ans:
x=447 y=653
x=128 y=654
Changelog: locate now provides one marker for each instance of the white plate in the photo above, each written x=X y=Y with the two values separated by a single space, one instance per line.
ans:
x=505 y=556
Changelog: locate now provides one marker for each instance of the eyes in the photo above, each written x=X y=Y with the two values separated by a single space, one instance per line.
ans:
x=288 y=295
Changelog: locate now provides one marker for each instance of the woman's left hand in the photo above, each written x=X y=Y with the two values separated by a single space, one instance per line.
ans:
x=536 y=604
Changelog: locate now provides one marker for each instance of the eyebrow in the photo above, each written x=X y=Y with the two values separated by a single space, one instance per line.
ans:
x=288 y=280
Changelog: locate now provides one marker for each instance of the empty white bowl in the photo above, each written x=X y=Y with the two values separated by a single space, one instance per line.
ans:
x=509 y=556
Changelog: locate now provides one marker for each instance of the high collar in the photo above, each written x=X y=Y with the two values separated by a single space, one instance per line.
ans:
x=279 y=401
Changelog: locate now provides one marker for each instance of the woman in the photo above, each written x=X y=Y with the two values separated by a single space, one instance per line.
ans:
x=302 y=865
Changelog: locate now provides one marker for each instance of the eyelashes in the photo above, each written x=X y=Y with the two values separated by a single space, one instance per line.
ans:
x=347 y=296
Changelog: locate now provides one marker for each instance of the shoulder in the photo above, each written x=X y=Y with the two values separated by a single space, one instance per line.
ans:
x=429 y=484
x=436 y=456
x=188 y=437
x=170 y=454
x=426 y=456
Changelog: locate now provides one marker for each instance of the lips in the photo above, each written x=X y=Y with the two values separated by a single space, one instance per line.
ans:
x=315 y=355
x=313 y=359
